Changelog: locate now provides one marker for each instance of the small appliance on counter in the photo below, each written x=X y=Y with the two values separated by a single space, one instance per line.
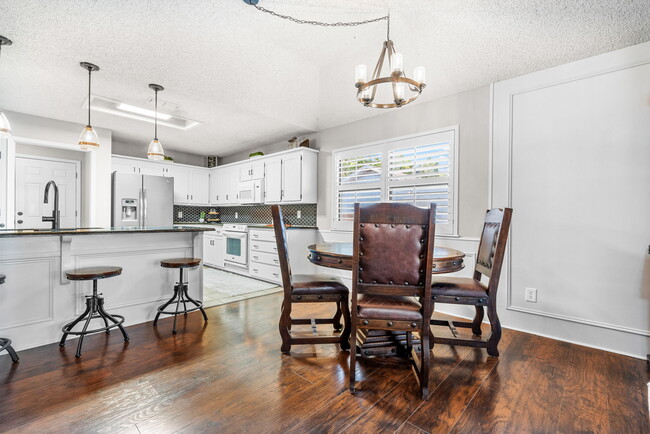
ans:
x=141 y=200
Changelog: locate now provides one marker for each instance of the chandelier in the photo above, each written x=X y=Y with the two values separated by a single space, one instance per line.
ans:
x=395 y=80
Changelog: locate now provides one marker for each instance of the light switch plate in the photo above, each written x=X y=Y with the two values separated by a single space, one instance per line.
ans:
x=299 y=214
x=180 y=214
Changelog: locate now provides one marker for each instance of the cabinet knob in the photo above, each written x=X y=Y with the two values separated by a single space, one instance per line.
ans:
x=20 y=222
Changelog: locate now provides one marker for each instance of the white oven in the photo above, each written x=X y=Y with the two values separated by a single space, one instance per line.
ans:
x=236 y=245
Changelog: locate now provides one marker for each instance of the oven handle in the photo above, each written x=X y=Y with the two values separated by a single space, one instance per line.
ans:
x=239 y=235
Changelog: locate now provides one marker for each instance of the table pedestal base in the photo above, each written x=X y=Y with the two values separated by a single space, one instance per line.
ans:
x=383 y=343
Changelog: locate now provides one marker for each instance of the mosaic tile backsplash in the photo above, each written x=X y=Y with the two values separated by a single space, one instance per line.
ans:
x=255 y=214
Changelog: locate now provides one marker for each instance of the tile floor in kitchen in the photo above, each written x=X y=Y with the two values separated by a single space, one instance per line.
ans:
x=221 y=287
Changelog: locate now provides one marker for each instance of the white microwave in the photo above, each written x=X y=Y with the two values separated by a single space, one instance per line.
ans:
x=251 y=191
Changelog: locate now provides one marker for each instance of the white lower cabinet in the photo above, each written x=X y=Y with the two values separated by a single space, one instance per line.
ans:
x=214 y=248
x=263 y=253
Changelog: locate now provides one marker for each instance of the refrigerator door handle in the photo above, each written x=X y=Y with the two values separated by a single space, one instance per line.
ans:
x=144 y=207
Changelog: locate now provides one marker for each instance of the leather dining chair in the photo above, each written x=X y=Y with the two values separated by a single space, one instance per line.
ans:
x=392 y=263
x=471 y=291
x=308 y=288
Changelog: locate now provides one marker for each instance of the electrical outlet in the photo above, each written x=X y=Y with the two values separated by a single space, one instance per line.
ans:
x=531 y=295
x=180 y=214
x=299 y=214
x=236 y=215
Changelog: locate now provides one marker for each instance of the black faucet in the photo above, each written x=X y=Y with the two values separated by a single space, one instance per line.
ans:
x=56 y=214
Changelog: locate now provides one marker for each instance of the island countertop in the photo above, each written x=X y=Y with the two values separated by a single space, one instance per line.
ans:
x=98 y=231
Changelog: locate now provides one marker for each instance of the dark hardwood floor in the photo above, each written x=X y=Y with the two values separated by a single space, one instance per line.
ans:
x=229 y=376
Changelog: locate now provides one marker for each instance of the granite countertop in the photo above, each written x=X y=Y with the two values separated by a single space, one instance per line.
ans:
x=250 y=225
x=94 y=231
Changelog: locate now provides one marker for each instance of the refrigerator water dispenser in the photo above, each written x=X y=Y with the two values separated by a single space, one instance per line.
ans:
x=129 y=210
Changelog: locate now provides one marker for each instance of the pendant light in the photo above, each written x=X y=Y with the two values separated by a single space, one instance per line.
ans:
x=88 y=139
x=5 y=127
x=155 y=151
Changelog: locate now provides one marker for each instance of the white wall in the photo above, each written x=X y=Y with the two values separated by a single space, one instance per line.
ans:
x=140 y=150
x=61 y=137
x=571 y=155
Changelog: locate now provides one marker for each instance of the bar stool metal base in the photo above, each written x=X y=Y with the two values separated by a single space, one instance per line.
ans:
x=94 y=310
x=5 y=344
x=180 y=296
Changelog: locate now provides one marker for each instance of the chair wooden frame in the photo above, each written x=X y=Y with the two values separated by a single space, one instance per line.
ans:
x=502 y=217
x=395 y=214
x=286 y=321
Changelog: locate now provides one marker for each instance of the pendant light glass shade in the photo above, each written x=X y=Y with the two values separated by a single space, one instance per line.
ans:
x=5 y=128
x=88 y=139
x=155 y=151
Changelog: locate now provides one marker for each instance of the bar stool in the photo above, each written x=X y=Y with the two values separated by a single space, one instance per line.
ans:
x=5 y=344
x=94 y=306
x=180 y=291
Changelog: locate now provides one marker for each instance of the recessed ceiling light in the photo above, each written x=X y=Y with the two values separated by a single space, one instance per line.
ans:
x=119 y=108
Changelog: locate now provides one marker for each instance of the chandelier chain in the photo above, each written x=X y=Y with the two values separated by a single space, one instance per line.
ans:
x=323 y=24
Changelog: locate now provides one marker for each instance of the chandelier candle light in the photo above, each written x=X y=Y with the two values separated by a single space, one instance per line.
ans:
x=367 y=89
x=155 y=151
x=5 y=127
x=88 y=139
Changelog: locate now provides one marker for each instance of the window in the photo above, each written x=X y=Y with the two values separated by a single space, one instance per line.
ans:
x=417 y=169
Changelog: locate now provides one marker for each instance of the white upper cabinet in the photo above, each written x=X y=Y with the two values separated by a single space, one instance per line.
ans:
x=191 y=184
x=199 y=189
x=251 y=171
x=292 y=178
x=123 y=165
x=273 y=180
x=287 y=177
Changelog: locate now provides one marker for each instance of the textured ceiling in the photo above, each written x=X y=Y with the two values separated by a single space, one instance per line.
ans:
x=253 y=79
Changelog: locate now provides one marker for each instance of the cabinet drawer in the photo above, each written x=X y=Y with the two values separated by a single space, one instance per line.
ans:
x=265 y=258
x=266 y=272
x=257 y=235
x=264 y=246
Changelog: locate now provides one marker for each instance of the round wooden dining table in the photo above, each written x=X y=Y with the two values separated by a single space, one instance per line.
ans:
x=339 y=255
x=381 y=342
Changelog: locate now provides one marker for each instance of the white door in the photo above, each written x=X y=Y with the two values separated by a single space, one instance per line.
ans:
x=222 y=186
x=273 y=181
x=245 y=172
x=209 y=250
x=233 y=184
x=199 y=187
x=31 y=177
x=181 y=177
x=214 y=189
x=291 y=178
x=155 y=169
x=257 y=170
x=121 y=165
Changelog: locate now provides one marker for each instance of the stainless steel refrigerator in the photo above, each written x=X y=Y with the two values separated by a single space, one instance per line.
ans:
x=142 y=200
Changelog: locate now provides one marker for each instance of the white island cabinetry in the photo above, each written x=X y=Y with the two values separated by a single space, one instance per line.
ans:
x=37 y=299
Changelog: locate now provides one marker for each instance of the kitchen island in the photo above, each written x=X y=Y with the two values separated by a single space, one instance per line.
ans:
x=37 y=299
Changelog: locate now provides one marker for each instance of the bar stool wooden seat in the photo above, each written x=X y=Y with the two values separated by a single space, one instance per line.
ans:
x=94 y=306
x=5 y=344
x=180 y=291
x=309 y=288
